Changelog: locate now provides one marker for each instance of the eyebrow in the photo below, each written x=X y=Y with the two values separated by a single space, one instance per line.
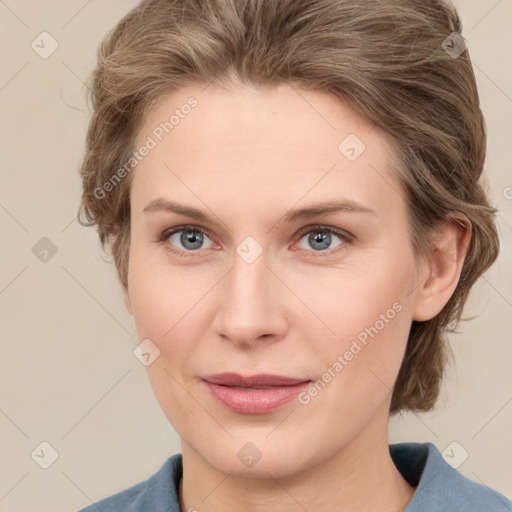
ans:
x=161 y=204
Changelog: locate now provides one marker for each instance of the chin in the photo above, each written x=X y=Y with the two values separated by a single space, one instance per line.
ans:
x=260 y=459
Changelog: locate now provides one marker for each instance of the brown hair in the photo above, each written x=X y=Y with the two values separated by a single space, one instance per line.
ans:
x=386 y=59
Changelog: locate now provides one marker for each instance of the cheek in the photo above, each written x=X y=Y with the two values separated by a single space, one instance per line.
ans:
x=168 y=312
x=368 y=349
x=160 y=295
x=174 y=398
x=361 y=304
x=369 y=318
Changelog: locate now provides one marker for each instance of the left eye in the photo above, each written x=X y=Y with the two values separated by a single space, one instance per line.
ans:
x=321 y=238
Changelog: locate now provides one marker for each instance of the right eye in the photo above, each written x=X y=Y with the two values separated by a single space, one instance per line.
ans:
x=191 y=239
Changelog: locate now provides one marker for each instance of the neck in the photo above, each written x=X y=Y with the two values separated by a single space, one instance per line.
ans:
x=361 y=476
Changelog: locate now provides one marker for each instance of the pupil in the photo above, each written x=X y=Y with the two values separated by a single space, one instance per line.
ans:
x=190 y=237
x=321 y=237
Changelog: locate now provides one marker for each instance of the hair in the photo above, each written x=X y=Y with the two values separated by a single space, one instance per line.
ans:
x=385 y=59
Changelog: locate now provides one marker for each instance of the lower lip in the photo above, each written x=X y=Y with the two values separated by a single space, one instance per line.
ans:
x=253 y=400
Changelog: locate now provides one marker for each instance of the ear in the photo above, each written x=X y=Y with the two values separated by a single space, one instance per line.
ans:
x=127 y=300
x=440 y=274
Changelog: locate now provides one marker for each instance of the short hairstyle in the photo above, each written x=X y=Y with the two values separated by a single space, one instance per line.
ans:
x=388 y=60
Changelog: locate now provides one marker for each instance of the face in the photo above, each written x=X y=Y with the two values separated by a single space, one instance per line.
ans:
x=264 y=279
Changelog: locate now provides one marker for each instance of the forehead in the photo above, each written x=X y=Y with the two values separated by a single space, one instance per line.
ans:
x=279 y=142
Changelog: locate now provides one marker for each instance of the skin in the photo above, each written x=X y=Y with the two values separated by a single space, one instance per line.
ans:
x=246 y=157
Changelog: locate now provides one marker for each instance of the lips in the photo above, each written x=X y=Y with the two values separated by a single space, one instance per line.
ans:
x=255 y=394
x=253 y=381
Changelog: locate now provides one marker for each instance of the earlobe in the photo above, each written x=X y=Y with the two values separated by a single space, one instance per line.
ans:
x=443 y=268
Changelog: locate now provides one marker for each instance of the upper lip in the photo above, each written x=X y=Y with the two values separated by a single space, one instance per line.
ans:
x=251 y=381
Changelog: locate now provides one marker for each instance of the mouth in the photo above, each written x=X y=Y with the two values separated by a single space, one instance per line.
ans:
x=255 y=394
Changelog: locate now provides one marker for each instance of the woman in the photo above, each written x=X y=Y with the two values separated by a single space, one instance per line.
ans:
x=290 y=190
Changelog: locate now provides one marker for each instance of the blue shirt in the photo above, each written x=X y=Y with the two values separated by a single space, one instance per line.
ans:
x=439 y=487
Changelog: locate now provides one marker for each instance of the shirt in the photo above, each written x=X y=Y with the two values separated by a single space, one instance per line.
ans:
x=439 y=487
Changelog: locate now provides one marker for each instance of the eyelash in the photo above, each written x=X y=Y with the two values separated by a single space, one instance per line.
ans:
x=343 y=235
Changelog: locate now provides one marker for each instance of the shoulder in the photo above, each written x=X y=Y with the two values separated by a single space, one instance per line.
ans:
x=158 y=493
x=440 y=487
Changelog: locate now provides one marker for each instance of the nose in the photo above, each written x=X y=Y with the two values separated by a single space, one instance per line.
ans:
x=251 y=306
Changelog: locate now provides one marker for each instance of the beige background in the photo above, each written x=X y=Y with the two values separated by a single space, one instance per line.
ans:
x=68 y=374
